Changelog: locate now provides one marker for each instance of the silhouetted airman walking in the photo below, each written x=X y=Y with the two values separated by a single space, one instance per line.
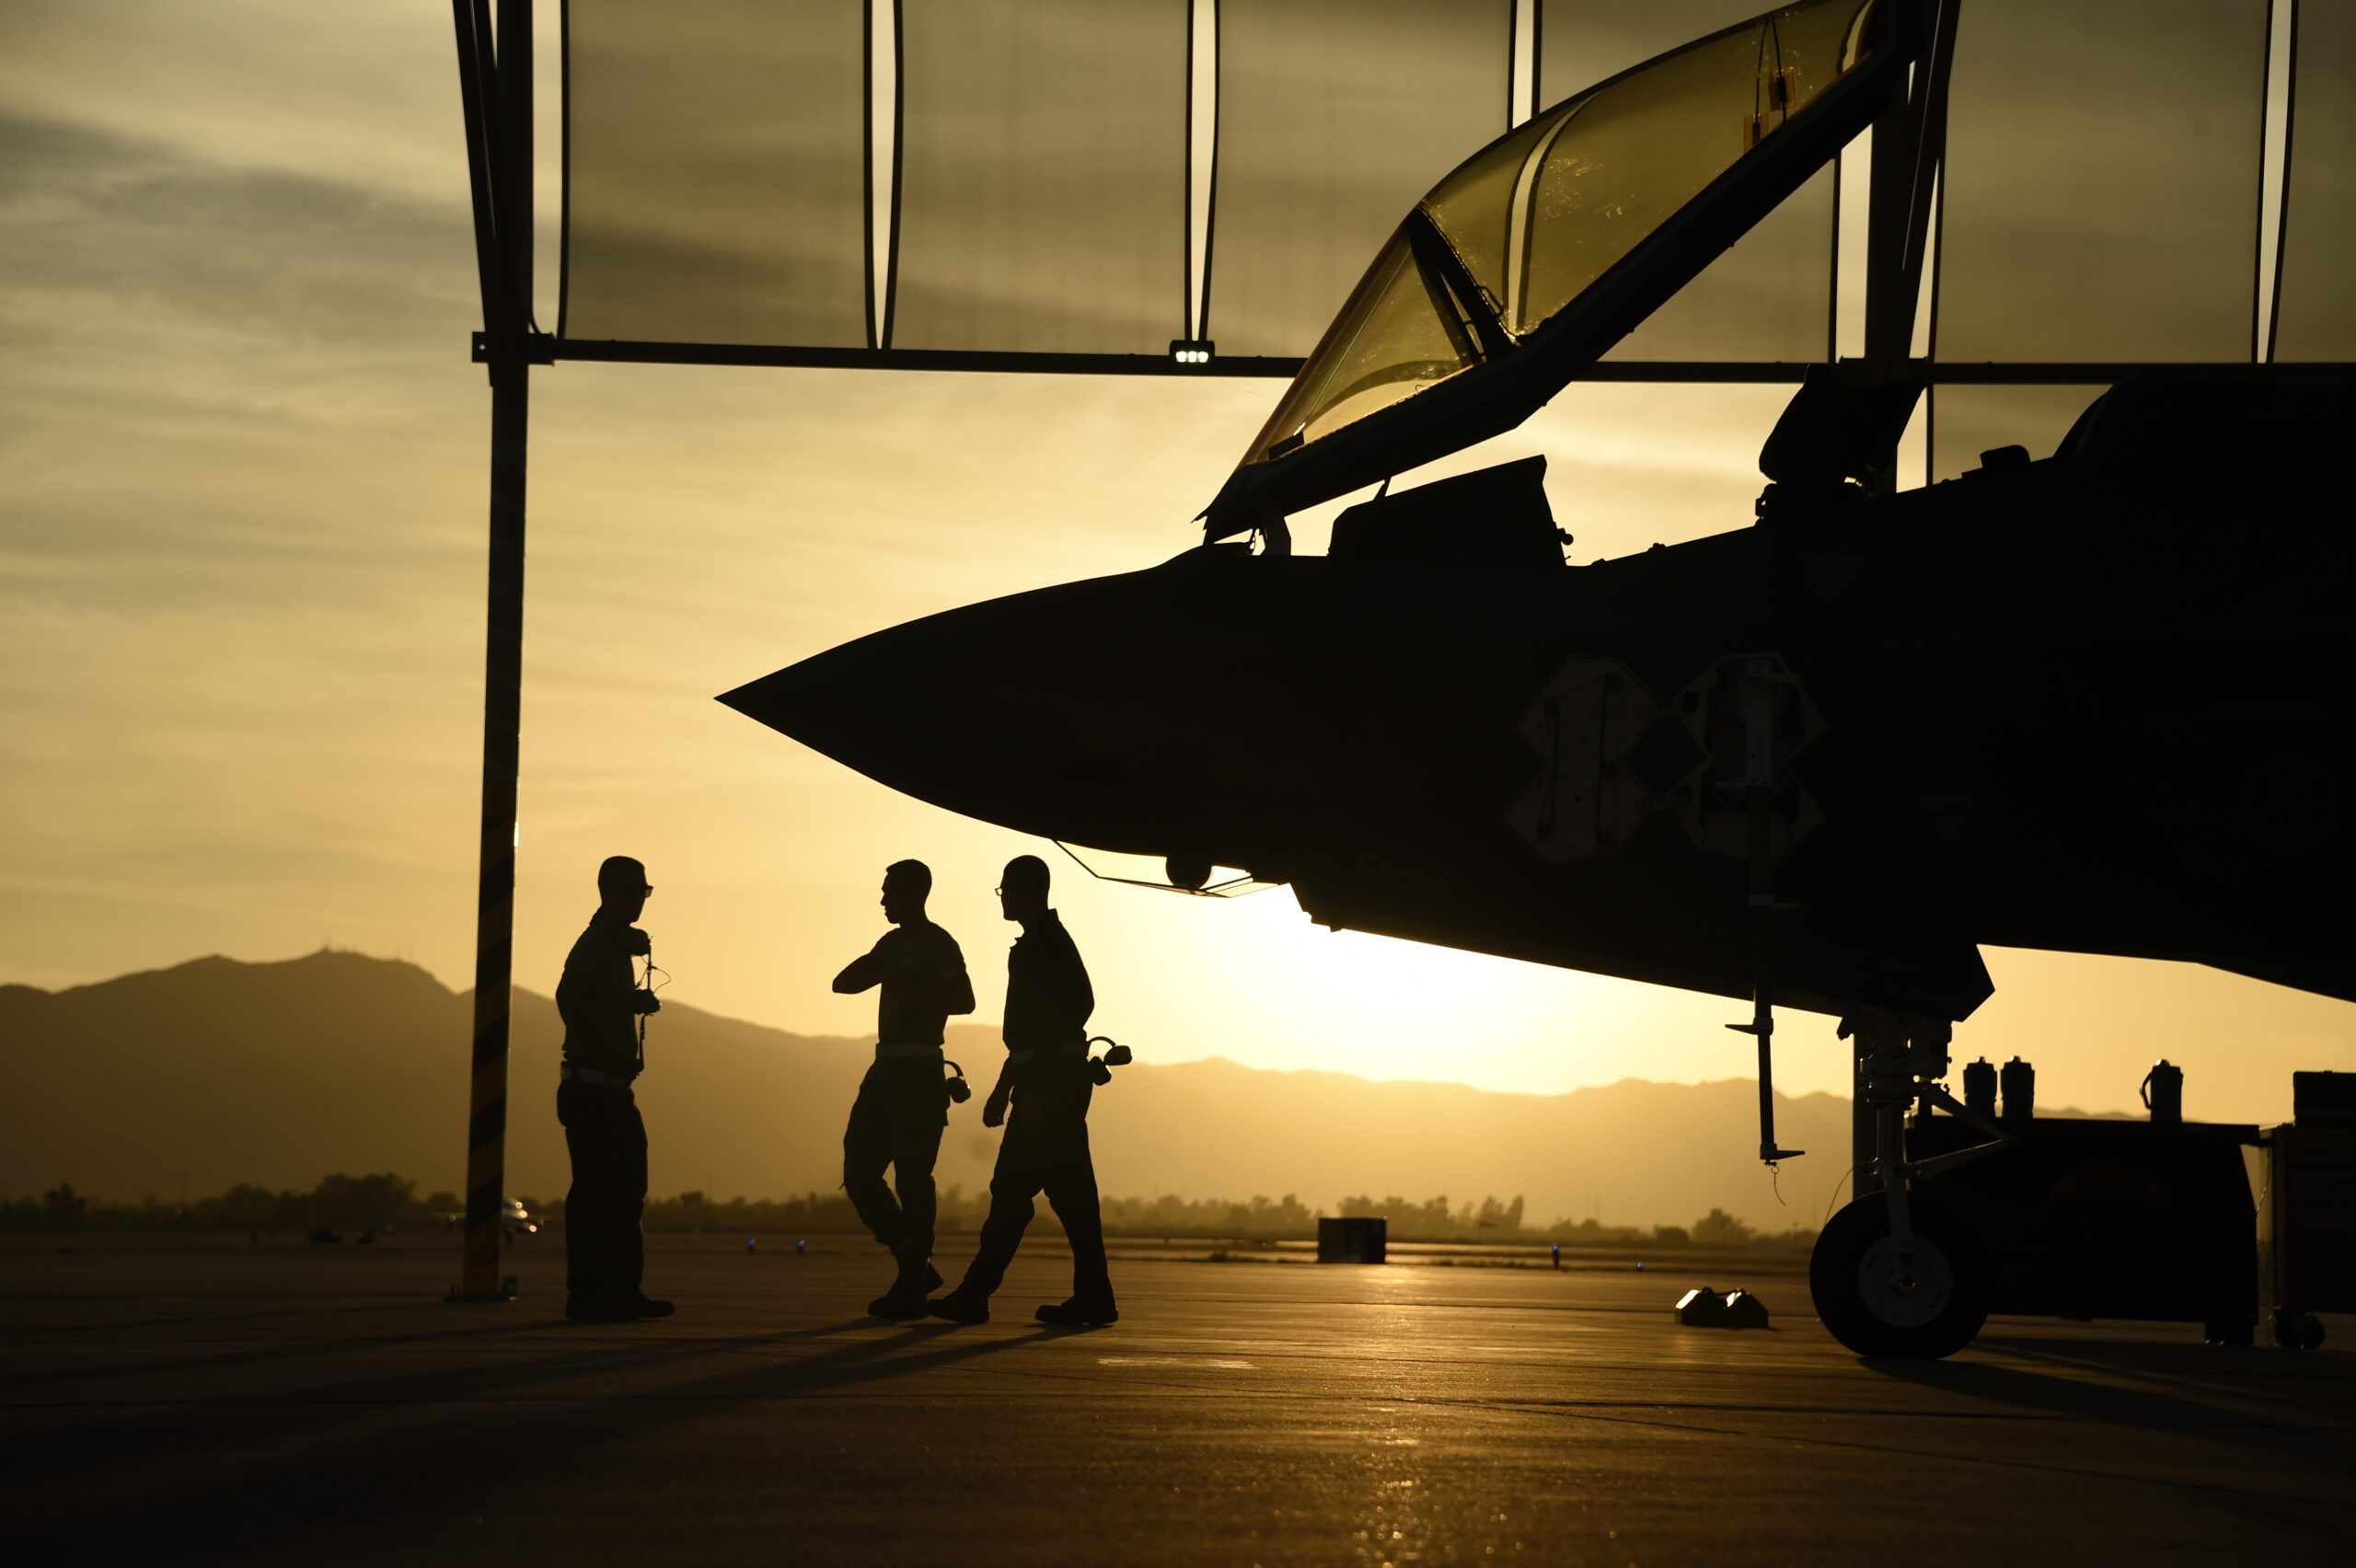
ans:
x=601 y=1002
x=903 y=1102
x=1048 y=1080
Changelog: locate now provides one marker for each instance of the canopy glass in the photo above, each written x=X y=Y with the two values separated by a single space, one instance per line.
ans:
x=1520 y=229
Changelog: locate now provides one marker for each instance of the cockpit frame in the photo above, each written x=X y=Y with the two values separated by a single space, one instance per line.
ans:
x=1511 y=380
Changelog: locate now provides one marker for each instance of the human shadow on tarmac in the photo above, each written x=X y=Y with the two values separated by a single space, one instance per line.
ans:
x=459 y=1406
x=579 y=1355
x=310 y=1306
x=283 y=1471
x=262 y=1355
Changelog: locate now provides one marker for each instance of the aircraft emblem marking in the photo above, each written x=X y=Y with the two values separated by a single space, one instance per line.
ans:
x=1610 y=756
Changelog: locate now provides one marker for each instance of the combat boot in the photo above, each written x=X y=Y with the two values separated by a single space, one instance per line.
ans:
x=905 y=1299
x=597 y=1310
x=960 y=1307
x=1090 y=1310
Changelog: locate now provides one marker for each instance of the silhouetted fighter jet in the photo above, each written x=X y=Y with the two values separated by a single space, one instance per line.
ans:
x=2089 y=703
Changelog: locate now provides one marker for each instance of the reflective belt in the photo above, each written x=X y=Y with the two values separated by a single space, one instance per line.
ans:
x=908 y=1053
x=595 y=1077
x=1071 y=1049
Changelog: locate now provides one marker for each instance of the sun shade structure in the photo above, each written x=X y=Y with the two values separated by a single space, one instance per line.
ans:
x=1193 y=187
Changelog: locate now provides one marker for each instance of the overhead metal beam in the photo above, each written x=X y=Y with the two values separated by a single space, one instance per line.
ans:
x=548 y=351
x=541 y=349
x=2093 y=373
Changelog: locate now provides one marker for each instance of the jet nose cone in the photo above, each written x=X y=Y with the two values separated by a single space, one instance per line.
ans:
x=987 y=711
x=1078 y=713
x=817 y=701
x=876 y=704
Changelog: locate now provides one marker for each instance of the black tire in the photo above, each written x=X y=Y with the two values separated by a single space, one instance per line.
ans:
x=1882 y=1303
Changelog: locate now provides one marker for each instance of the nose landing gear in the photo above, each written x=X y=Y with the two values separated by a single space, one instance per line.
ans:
x=1897 y=1273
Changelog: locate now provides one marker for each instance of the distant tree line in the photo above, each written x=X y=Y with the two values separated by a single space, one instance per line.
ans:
x=389 y=1201
x=1286 y=1218
x=1490 y=1220
x=1433 y=1220
x=1717 y=1229
x=355 y=1202
x=812 y=1213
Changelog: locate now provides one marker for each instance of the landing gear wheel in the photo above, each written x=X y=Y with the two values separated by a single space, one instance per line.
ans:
x=1907 y=1301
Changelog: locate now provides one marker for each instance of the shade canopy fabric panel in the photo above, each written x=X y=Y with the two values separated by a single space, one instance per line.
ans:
x=2316 y=315
x=1582 y=41
x=1770 y=296
x=1042 y=176
x=1335 y=117
x=716 y=172
x=2101 y=189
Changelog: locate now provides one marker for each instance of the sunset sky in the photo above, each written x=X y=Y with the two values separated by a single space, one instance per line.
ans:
x=242 y=497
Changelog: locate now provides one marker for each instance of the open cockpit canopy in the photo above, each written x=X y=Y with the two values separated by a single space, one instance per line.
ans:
x=1518 y=268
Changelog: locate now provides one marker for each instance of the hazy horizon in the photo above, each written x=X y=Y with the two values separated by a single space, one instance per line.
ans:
x=2211 y=1098
x=344 y=1062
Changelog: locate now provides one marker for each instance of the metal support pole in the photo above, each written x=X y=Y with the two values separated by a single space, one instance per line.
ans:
x=505 y=169
x=495 y=887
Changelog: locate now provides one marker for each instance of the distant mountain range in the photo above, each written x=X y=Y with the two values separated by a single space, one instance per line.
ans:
x=182 y=1082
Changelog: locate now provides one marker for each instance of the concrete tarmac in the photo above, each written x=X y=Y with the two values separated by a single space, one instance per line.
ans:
x=326 y=1408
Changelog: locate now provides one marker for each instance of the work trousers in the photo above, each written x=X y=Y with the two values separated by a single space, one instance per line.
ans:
x=604 y=1251
x=897 y=1121
x=1045 y=1150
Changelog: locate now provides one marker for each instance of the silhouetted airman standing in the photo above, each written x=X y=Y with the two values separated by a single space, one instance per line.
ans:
x=903 y=1102
x=1049 y=1083
x=601 y=1002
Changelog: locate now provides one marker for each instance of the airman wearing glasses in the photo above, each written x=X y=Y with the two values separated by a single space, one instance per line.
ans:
x=602 y=1002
